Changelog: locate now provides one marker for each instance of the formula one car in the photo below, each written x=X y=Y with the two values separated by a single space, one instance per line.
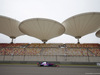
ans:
x=46 y=64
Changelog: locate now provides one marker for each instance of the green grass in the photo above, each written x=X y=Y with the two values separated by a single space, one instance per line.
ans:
x=74 y=65
x=15 y=64
x=36 y=64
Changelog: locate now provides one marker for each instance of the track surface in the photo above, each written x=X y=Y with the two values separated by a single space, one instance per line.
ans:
x=34 y=70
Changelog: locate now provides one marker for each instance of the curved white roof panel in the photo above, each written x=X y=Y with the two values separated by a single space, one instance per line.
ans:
x=41 y=28
x=9 y=27
x=82 y=24
x=98 y=33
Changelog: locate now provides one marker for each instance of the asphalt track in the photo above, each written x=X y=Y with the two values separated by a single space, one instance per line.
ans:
x=34 y=70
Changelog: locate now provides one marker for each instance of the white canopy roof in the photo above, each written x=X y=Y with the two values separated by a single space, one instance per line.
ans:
x=82 y=24
x=9 y=27
x=98 y=33
x=43 y=29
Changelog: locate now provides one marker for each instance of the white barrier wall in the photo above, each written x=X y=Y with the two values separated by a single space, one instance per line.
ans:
x=18 y=58
x=61 y=58
x=94 y=59
x=51 y=58
x=77 y=59
x=1 y=58
x=8 y=58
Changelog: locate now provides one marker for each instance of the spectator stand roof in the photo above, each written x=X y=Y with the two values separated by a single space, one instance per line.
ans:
x=9 y=27
x=41 y=28
x=82 y=24
x=98 y=33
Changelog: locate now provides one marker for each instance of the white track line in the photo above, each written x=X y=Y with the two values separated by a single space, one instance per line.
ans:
x=93 y=73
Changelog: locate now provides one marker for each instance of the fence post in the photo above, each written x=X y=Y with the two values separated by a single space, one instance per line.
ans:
x=24 y=54
x=56 y=58
x=4 y=54
x=4 y=58
x=88 y=55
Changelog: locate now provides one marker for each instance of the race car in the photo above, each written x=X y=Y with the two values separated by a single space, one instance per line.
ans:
x=46 y=64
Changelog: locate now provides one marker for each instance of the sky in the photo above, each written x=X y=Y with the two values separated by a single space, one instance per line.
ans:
x=58 y=10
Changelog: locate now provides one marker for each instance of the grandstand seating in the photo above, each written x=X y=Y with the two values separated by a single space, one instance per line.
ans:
x=76 y=52
x=21 y=45
x=44 y=45
x=53 y=51
x=2 y=51
x=32 y=51
x=14 y=45
x=50 y=49
x=95 y=52
x=12 y=51
x=4 y=45
x=83 y=45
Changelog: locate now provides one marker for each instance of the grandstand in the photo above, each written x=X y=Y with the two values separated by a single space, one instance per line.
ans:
x=50 y=52
x=45 y=29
